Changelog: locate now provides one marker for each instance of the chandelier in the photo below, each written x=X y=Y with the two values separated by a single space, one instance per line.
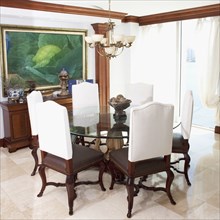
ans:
x=111 y=45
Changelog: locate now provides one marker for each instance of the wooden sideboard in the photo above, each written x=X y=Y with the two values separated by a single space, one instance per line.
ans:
x=17 y=130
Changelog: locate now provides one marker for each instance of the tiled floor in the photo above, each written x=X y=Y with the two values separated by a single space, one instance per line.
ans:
x=200 y=201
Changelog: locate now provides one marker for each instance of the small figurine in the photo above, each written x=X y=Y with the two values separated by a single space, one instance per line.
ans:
x=63 y=76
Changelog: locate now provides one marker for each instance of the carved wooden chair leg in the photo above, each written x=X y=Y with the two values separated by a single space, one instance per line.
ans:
x=130 y=198
x=102 y=169
x=187 y=160
x=111 y=169
x=170 y=177
x=44 y=180
x=186 y=167
x=71 y=193
x=35 y=156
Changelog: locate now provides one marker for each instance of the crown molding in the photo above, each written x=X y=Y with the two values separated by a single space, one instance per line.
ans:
x=131 y=18
x=192 y=13
x=42 y=6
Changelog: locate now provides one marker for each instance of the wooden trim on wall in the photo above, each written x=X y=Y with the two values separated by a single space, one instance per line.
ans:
x=198 y=12
x=217 y=129
x=102 y=68
x=1 y=142
x=192 y=13
x=130 y=18
x=66 y=9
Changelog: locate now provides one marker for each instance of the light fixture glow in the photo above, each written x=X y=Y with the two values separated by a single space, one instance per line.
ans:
x=112 y=45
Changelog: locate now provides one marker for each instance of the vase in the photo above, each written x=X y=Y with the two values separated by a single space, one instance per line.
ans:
x=14 y=95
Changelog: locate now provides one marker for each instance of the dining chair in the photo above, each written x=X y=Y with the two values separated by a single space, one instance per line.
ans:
x=181 y=139
x=149 y=150
x=59 y=154
x=32 y=99
x=85 y=96
x=139 y=93
x=85 y=100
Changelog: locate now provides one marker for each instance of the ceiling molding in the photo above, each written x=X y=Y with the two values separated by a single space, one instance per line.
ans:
x=42 y=6
x=192 y=13
x=130 y=18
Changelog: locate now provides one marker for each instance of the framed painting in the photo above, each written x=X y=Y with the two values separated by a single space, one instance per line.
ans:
x=39 y=54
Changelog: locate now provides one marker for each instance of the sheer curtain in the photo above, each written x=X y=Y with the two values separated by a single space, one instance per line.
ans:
x=208 y=59
x=154 y=59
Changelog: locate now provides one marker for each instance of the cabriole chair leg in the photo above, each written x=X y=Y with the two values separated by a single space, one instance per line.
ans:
x=170 y=177
x=130 y=198
x=44 y=180
x=186 y=167
x=71 y=193
x=34 y=154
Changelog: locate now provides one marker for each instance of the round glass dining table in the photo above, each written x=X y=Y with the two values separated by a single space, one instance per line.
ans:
x=101 y=125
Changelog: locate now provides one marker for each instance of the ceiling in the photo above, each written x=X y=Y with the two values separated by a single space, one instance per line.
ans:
x=137 y=7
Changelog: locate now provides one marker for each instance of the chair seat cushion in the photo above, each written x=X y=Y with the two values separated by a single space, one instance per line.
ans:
x=84 y=157
x=179 y=145
x=150 y=166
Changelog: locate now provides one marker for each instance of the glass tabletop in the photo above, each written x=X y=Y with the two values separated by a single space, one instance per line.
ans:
x=104 y=124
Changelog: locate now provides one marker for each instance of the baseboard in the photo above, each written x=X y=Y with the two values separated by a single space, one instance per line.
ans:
x=217 y=129
x=1 y=142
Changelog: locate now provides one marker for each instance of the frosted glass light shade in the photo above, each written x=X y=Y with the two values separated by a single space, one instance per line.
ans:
x=97 y=37
x=118 y=38
x=130 y=39
x=110 y=50
x=89 y=40
x=104 y=41
x=112 y=45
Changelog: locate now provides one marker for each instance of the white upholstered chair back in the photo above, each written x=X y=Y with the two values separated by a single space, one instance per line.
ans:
x=53 y=129
x=86 y=121
x=139 y=93
x=186 y=114
x=33 y=99
x=151 y=129
x=85 y=98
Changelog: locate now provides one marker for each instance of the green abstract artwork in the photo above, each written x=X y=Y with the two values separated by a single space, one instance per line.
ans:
x=39 y=54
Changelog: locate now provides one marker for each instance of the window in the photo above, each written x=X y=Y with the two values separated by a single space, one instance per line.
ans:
x=190 y=79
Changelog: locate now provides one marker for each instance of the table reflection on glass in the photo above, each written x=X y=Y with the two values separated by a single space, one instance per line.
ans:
x=101 y=125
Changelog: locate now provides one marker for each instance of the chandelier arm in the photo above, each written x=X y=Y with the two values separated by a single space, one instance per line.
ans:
x=122 y=48
x=110 y=46
x=102 y=52
x=128 y=45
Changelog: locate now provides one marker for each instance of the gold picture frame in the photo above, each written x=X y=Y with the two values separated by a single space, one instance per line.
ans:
x=38 y=54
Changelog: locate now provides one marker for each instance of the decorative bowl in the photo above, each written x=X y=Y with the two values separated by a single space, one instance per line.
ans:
x=119 y=103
